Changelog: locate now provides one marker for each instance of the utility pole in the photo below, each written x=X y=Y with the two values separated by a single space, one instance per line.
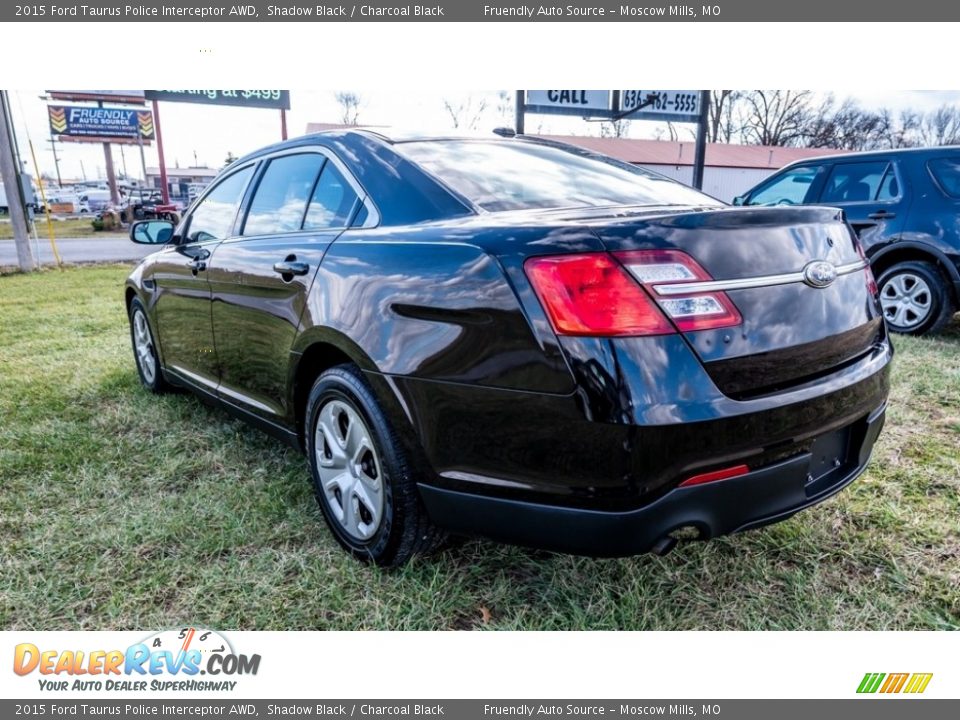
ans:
x=123 y=162
x=56 y=159
x=143 y=158
x=111 y=175
x=10 y=173
x=700 y=152
x=520 y=103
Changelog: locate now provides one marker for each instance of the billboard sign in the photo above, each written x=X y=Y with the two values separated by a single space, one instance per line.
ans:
x=664 y=105
x=100 y=124
x=277 y=99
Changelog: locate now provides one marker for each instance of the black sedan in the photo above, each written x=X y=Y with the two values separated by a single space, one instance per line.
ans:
x=518 y=339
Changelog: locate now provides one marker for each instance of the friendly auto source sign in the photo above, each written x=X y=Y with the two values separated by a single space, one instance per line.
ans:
x=278 y=99
x=100 y=123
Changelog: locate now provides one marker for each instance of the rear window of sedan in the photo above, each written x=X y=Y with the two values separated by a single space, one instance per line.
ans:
x=946 y=171
x=516 y=175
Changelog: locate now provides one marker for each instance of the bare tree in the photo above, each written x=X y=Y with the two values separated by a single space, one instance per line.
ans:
x=466 y=114
x=505 y=106
x=845 y=127
x=940 y=127
x=349 y=106
x=775 y=117
x=721 y=126
x=615 y=128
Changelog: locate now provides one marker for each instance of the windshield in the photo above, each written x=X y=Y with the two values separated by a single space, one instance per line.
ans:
x=507 y=175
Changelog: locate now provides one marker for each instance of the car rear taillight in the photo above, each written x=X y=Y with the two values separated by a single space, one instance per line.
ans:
x=689 y=311
x=868 y=271
x=591 y=294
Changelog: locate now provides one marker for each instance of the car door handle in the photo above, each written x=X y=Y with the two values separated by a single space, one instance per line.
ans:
x=291 y=267
x=882 y=215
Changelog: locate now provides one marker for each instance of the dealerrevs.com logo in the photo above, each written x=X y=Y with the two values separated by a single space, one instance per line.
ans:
x=893 y=683
x=188 y=659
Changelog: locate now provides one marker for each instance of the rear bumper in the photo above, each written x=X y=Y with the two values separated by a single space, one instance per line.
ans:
x=761 y=497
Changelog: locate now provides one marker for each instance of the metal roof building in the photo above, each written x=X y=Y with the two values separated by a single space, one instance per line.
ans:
x=730 y=170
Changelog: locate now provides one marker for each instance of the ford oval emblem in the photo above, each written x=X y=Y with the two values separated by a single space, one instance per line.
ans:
x=819 y=274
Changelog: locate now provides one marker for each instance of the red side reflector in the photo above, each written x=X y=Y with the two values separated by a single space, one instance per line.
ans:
x=725 y=474
x=592 y=294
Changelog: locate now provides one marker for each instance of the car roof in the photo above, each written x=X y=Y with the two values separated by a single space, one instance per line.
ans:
x=867 y=154
x=390 y=136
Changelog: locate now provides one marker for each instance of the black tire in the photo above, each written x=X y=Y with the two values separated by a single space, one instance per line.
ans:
x=935 y=297
x=154 y=382
x=404 y=530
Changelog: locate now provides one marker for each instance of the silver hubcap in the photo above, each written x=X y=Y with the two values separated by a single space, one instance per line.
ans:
x=906 y=300
x=349 y=469
x=143 y=346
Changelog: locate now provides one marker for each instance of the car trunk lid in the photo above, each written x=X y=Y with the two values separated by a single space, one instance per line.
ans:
x=796 y=276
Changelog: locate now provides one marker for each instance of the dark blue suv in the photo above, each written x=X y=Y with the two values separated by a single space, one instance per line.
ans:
x=905 y=206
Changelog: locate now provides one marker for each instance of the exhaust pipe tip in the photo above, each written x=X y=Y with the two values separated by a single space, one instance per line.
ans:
x=664 y=545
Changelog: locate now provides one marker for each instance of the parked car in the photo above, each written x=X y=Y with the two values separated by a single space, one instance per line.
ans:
x=518 y=339
x=905 y=207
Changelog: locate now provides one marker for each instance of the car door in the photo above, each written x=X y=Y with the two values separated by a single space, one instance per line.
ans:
x=872 y=193
x=183 y=291
x=302 y=200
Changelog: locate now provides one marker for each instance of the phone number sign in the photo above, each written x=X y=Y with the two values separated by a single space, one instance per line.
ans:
x=277 y=99
x=679 y=105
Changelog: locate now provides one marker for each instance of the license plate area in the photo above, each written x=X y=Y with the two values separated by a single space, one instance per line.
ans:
x=830 y=460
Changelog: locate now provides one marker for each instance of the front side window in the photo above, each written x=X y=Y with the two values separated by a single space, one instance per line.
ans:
x=946 y=171
x=518 y=175
x=281 y=197
x=212 y=219
x=855 y=182
x=790 y=188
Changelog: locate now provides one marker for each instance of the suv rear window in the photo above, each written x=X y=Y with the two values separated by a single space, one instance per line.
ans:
x=519 y=175
x=946 y=171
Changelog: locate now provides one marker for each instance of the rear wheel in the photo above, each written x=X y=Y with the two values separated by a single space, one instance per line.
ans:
x=915 y=298
x=364 y=480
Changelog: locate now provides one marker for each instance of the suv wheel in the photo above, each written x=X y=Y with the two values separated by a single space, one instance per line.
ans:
x=915 y=298
x=364 y=481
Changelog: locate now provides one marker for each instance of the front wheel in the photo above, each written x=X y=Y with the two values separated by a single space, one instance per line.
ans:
x=145 y=350
x=364 y=480
x=915 y=298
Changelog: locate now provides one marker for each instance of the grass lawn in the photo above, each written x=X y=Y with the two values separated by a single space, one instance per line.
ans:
x=73 y=227
x=120 y=510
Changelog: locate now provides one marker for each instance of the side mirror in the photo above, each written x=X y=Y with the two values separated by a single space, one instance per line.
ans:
x=740 y=200
x=151 y=232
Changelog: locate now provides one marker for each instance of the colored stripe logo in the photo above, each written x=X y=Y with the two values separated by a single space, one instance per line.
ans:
x=145 y=123
x=911 y=683
x=58 y=119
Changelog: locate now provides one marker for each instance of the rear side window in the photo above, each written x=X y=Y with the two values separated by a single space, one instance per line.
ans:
x=213 y=217
x=281 y=197
x=790 y=188
x=332 y=203
x=946 y=171
x=855 y=182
